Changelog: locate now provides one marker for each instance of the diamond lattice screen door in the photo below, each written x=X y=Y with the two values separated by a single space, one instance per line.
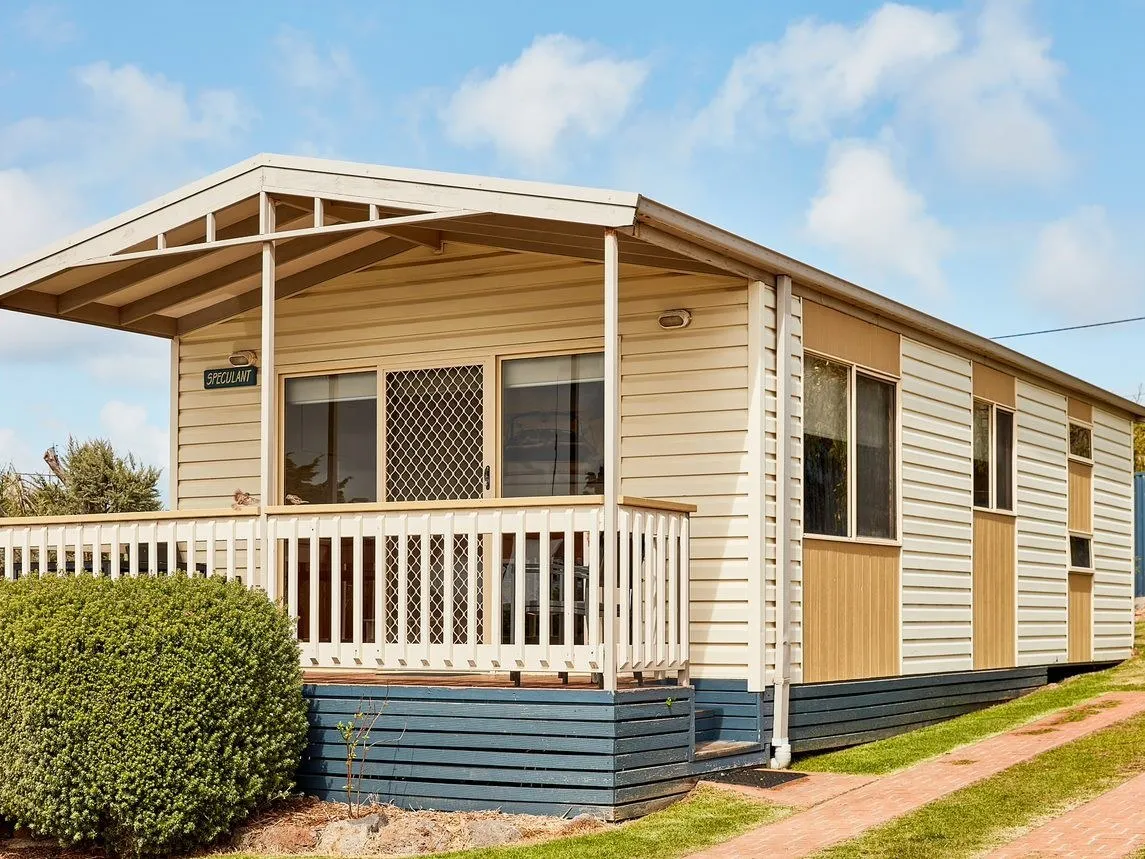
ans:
x=435 y=434
x=435 y=451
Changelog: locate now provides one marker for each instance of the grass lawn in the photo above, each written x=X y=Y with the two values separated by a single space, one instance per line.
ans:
x=992 y=811
x=707 y=817
x=892 y=754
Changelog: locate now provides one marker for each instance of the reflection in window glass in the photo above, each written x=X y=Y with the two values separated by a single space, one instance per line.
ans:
x=1080 y=552
x=825 y=446
x=552 y=432
x=874 y=457
x=1080 y=441
x=331 y=438
x=1004 y=442
x=981 y=454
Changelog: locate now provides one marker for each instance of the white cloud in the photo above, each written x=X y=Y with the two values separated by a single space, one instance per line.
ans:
x=982 y=88
x=48 y=25
x=870 y=214
x=33 y=209
x=557 y=89
x=301 y=65
x=1082 y=269
x=819 y=73
x=128 y=430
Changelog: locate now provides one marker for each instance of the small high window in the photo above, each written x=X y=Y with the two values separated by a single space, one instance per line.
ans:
x=1080 y=441
x=849 y=460
x=993 y=457
x=1080 y=552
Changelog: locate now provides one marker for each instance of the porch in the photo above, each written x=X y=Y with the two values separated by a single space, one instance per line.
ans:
x=480 y=587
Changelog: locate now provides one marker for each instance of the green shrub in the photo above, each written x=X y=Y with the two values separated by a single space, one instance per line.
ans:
x=148 y=715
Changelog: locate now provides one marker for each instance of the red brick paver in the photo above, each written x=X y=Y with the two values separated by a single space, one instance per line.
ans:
x=1111 y=825
x=852 y=813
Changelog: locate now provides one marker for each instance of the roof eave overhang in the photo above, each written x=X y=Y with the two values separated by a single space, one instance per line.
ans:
x=657 y=216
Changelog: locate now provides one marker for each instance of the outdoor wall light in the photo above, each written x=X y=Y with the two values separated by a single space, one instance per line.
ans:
x=670 y=319
x=243 y=358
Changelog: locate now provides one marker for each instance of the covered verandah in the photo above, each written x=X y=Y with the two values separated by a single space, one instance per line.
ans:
x=472 y=584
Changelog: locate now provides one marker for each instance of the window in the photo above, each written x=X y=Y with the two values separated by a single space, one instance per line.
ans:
x=331 y=438
x=993 y=457
x=849 y=461
x=1080 y=441
x=1080 y=552
x=552 y=426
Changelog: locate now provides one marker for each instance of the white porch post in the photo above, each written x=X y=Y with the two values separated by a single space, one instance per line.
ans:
x=611 y=449
x=267 y=391
x=780 y=743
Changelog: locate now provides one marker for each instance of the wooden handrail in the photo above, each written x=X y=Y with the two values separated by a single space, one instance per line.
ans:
x=112 y=518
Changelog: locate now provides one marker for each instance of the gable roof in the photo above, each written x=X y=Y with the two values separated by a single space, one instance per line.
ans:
x=151 y=270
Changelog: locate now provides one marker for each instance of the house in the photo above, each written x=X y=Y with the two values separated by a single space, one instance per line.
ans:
x=577 y=496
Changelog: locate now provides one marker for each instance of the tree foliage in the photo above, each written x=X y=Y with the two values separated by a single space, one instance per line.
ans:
x=89 y=478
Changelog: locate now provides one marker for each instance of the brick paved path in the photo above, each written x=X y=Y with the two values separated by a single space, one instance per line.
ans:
x=851 y=813
x=1111 y=825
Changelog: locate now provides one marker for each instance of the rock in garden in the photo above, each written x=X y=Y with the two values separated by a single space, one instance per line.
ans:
x=492 y=832
x=350 y=837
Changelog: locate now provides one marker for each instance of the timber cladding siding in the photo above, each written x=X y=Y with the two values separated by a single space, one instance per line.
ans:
x=1112 y=536
x=684 y=392
x=832 y=715
x=850 y=610
x=536 y=751
x=937 y=522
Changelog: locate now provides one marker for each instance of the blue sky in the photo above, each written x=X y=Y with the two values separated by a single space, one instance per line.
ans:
x=980 y=161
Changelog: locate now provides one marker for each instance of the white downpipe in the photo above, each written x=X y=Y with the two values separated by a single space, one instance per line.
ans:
x=611 y=449
x=780 y=743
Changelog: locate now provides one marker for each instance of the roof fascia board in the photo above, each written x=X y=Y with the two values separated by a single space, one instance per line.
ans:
x=145 y=222
x=383 y=190
x=517 y=187
x=685 y=226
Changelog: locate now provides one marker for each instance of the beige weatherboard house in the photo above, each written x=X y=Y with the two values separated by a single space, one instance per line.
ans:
x=595 y=496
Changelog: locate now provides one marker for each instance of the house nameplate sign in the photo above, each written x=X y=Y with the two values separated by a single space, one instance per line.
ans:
x=230 y=377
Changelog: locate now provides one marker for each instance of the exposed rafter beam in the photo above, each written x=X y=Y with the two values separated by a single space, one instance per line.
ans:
x=296 y=283
x=132 y=275
x=286 y=235
x=102 y=315
x=243 y=272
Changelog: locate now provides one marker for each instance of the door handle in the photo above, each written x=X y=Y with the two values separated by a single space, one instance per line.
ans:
x=488 y=477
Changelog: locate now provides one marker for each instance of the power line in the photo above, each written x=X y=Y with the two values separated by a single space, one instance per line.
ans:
x=1071 y=328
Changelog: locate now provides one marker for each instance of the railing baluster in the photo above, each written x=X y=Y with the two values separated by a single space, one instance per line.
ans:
x=291 y=527
x=568 y=623
x=403 y=582
x=211 y=547
x=336 y=591
x=314 y=626
x=381 y=622
x=662 y=588
x=472 y=596
x=231 y=538
x=426 y=578
x=113 y=552
x=270 y=550
x=447 y=598
x=544 y=582
x=685 y=595
x=631 y=561
x=26 y=551
x=520 y=568
x=493 y=624
x=673 y=563
x=594 y=608
x=6 y=542
x=153 y=551
x=651 y=594
x=133 y=551
x=42 y=561
x=358 y=585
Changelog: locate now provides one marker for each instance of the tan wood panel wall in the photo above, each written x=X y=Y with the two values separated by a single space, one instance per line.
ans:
x=1080 y=617
x=994 y=385
x=1080 y=496
x=994 y=590
x=833 y=333
x=1080 y=410
x=850 y=610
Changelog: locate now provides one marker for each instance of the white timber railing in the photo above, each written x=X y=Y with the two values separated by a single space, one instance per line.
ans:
x=501 y=585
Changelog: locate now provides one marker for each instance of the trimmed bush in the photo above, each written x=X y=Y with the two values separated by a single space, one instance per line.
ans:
x=148 y=715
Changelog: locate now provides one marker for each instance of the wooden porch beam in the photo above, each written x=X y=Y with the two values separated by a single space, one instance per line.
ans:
x=296 y=283
x=244 y=271
x=103 y=315
x=683 y=247
x=382 y=225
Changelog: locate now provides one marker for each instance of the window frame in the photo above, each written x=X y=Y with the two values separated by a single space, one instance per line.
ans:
x=991 y=467
x=854 y=370
x=1088 y=427
x=1071 y=566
